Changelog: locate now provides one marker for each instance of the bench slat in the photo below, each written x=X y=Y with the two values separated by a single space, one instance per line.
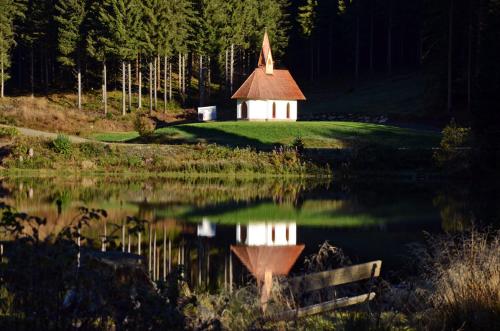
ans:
x=335 y=277
x=321 y=307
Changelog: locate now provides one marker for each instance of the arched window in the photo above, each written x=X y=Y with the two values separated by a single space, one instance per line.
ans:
x=274 y=109
x=244 y=110
x=288 y=110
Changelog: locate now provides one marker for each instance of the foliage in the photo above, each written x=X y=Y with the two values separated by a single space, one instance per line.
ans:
x=298 y=144
x=465 y=276
x=70 y=17
x=8 y=132
x=56 y=283
x=307 y=17
x=144 y=125
x=201 y=159
x=455 y=152
x=91 y=150
x=62 y=145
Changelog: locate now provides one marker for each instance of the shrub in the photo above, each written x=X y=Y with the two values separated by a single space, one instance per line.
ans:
x=454 y=154
x=298 y=144
x=144 y=125
x=465 y=277
x=8 y=132
x=90 y=150
x=62 y=145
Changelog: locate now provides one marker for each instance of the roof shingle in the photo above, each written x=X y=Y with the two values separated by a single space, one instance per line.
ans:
x=278 y=86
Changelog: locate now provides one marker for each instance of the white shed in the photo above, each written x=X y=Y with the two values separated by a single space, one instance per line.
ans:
x=207 y=114
x=268 y=94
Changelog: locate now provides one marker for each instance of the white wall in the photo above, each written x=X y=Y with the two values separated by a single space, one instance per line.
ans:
x=262 y=110
x=261 y=234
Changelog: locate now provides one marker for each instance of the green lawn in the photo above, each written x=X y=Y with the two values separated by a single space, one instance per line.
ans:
x=267 y=134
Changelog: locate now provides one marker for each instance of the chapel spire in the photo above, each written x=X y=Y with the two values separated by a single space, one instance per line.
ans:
x=266 y=56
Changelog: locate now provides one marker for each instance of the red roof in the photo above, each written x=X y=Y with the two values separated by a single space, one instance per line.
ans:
x=278 y=86
x=277 y=259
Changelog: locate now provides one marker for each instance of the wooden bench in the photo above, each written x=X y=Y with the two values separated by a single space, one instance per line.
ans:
x=321 y=280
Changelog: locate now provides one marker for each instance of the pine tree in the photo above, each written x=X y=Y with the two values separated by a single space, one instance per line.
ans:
x=307 y=22
x=70 y=18
x=157 y=38
x=36 y=33
x=120 y=22
x=7 y=14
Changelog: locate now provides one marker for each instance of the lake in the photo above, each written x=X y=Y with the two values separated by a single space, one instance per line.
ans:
x=225 y=230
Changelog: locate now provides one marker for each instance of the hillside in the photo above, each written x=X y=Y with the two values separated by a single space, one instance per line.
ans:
x=267 y=135
x=397 y=97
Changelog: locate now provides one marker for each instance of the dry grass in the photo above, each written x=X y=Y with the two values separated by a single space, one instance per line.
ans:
x=465 y=277
x=55 y=114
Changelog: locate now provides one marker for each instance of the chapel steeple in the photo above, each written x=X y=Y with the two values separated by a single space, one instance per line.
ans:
x=266 y=56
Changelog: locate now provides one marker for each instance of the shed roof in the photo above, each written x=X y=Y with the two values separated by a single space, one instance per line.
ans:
x=278 y=86
x=277 y=259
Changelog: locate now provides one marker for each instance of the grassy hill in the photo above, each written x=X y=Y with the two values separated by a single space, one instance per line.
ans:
x=268 y=134
x=399 y=96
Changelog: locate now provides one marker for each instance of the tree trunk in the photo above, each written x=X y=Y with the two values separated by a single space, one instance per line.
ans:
x=226 y=73
x=330 y=49
x=104 y=88
x=209 y=78
x=180 y=74
x=130 y=86
x=184 y=76
x=371 y=38
x=124 y=92
x=150 y=87
x=154 y=83
x=232 y=69
x=356 y=69
x=200 y=81
x=389 y=44
x=190 y=64
x=137 y=70
x=140 y=90
x=32 y=74
x=170 y=82
x=165 y=69
x=46 y=72
x=79 y=87
x=450 y=56
x=2 y=79
x=41 y=75
x=158 y=74
x=469 y=70
x=311 y=53
x=318 y=60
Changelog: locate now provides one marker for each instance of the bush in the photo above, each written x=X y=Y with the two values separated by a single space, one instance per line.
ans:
x=144 y=125
x=454 y=154
x=90 y=150
x=298 y=144
x=465 y=277
x=8 y=132
x=62 y=145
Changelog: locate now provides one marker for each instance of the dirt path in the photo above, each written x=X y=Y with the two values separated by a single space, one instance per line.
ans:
x=43 y=134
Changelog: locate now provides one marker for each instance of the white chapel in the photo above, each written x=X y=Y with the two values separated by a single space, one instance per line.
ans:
x=268 y=94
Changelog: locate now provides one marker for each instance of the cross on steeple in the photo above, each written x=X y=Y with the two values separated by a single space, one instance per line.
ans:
x=266 y=56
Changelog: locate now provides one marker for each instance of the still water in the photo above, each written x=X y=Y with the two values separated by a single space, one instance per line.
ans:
x=225 y=230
